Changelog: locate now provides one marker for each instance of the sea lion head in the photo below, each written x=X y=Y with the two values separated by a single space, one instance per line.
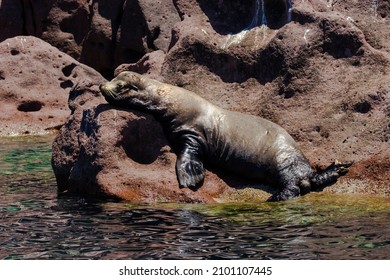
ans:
x=125 y=86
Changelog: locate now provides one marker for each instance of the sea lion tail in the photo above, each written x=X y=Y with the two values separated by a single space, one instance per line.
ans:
x=329 y=175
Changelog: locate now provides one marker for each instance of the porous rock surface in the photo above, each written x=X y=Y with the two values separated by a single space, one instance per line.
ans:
x=320 y=71
x=100 y=33
x=324 y=77
x=35 y=81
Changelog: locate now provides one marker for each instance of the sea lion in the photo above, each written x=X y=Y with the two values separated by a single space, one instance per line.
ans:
x=199 y=131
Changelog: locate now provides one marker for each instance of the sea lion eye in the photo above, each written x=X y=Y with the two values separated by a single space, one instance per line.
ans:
x=132 y=87
x=120 y=86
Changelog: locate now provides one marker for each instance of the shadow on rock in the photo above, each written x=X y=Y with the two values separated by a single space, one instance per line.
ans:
x=134 y=134
x=232 y=17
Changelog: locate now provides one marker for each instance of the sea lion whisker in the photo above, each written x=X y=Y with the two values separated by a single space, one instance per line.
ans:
x=110 y=93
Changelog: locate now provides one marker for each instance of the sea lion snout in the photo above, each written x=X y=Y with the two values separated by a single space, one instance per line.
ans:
x=117 y=87
x=102 y=86
x=106 y=90
x=111 y=90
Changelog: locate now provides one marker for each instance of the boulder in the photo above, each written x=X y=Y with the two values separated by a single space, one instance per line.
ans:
x=104 y=151
x=150 y=64
x=102 y=34
x=35 y=81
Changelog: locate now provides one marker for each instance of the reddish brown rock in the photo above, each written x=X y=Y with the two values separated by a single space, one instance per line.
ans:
x=35 y=80
x=324 y=76
x=145 y=26
x=118 y=32
x=150 y=64
x=108 y=152
x=102 y=34
x=66 y=24
x=318 y=76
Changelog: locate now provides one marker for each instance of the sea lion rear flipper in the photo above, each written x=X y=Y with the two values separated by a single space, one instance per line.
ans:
x=330 y=175
x=189 y=166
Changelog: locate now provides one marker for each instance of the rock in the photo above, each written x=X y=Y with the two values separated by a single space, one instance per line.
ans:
x=65 y=24
x=35 y=80
x=102 y=34
x=324 y=75
x=36 y=16
x=151 y=64
x=99 y=45
x=146 y=26
x=107 y=152
x=318 y=76
x=105 y=34
x=320 y=64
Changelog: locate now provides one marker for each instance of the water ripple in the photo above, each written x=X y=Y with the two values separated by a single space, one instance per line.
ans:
x=36 y=224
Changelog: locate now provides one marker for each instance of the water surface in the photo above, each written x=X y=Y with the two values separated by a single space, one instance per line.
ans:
x=36 y=224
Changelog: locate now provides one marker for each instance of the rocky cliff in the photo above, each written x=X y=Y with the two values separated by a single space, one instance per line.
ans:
x=318 y=68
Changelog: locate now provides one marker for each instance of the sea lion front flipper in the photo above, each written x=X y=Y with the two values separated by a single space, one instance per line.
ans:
x=189 y=166
x=189 y=171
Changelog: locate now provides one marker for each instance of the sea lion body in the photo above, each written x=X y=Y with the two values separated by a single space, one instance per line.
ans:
x=248 y=145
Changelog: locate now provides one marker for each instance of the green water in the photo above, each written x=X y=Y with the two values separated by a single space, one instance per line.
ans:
x=25 y=156
x=36 y=224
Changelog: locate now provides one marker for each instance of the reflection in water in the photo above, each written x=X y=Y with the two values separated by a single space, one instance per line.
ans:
x=35 y=224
